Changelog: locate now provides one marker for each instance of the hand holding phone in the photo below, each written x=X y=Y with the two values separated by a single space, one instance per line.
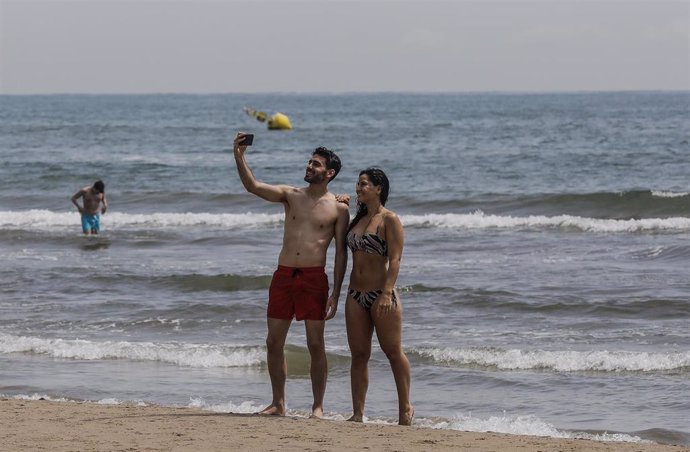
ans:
x=248 y=139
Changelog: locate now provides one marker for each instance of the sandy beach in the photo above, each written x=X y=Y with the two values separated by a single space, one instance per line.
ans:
x=70 y=426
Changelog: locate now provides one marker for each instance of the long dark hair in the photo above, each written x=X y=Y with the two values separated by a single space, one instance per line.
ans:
x=379 y=179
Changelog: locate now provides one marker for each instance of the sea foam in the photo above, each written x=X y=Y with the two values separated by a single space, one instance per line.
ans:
x=560 y=361
x=522 y=425
x=480 y=220
x=190 y=355
x=49 y=220
x=669 y=194
x=46 y=219
x=513 y=425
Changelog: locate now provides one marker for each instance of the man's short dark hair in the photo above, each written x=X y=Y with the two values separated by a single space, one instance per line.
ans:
x=332 y=160
x=99 y=186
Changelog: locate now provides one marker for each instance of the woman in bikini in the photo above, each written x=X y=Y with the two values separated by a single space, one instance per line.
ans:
x=375 y=237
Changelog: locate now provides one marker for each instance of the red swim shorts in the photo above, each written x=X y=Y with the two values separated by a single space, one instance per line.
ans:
x=298 y=292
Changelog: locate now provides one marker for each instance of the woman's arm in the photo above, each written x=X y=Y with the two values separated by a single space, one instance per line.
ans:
x=395 y=238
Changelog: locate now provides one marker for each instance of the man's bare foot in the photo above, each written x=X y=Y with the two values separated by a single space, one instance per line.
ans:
x=316 y=413
x=356 y=418
x=406 y=417
x=273 y=410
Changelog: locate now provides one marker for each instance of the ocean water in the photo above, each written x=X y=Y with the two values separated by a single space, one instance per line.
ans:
x=545 y=277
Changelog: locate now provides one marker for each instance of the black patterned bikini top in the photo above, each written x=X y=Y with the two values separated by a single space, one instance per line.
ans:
x=369 y=242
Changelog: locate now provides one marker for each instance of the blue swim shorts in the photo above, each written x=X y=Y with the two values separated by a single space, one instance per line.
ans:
x=90 y=223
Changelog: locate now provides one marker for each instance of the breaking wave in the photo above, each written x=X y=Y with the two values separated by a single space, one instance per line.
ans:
x=560 y=360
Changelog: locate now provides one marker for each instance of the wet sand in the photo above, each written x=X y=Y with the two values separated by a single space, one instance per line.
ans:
x=75 y=426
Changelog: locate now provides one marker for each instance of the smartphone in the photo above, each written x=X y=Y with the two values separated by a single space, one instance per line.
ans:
x=248 y=140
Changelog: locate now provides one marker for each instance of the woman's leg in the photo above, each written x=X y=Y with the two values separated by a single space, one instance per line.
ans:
x=359 y=334
x=389 y=333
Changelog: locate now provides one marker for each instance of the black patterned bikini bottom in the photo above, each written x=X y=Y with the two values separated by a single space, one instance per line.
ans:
x=366 y=299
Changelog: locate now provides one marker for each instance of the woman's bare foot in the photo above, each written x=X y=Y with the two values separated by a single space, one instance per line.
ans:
x=316 y=413
x=406 y=417
x=273 y=410
x=356 y=418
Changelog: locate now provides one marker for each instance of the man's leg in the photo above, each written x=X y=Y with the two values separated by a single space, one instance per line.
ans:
x=95 y=224
x=85 y=225
x=277 y=367
x=319 y=363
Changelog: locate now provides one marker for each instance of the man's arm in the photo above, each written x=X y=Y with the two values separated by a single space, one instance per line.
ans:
x=340 y=264
x=76 y=196
x=105 y=205
x=272 y=193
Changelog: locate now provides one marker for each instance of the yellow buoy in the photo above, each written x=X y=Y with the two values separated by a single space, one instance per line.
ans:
x=279 y=121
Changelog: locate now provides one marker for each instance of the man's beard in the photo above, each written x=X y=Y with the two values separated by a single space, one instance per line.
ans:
x=314 y=178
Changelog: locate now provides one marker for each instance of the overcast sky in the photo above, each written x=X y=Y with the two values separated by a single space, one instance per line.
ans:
x=232 y=46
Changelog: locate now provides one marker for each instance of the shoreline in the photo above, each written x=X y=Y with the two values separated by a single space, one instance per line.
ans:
x=87 y=426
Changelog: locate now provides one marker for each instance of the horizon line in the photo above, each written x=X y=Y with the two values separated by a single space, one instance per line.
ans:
x=334 y=93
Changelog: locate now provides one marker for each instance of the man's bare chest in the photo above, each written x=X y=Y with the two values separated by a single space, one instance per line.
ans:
x=318 y=216
x=92 y=198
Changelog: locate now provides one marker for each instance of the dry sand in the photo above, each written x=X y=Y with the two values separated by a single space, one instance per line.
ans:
x=73 y=426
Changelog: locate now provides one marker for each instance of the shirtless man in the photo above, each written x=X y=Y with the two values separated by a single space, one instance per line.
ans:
x=299 y=287
x=93 y=197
